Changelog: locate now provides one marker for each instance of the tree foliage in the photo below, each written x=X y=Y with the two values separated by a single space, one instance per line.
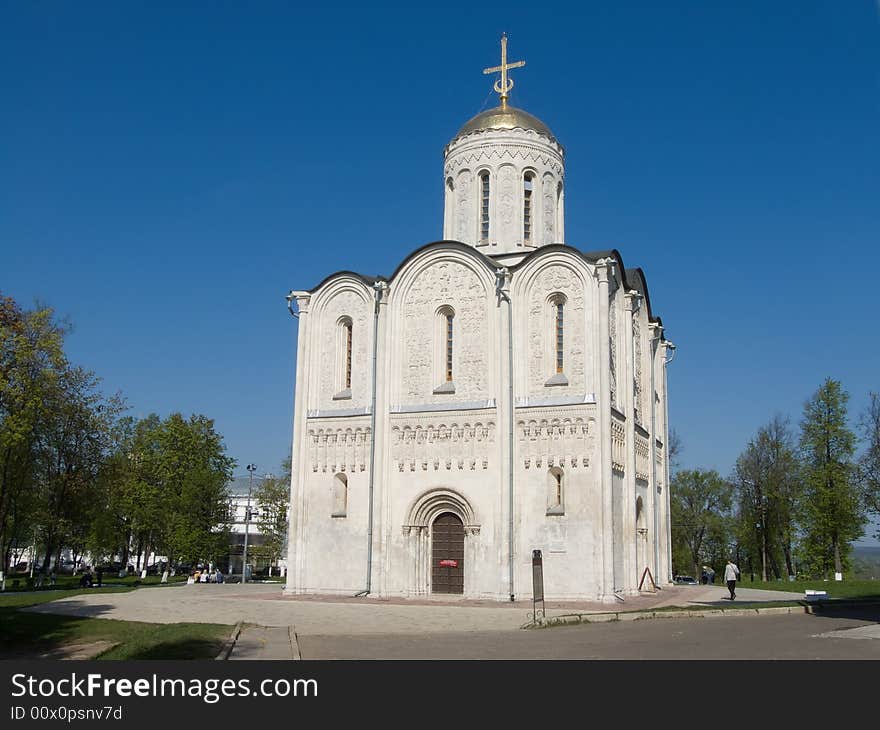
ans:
x=869 y=463
x=767 y=485
x=832 y=512
x=273 y=499
x=77 y=474
x=701 y=502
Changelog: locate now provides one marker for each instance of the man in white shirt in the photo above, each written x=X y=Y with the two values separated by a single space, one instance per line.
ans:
x=731 y=573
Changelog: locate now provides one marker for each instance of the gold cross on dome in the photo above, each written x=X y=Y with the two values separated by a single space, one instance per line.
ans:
x=504 y=84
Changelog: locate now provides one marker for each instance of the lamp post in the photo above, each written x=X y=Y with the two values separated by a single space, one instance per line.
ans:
x=247 y=520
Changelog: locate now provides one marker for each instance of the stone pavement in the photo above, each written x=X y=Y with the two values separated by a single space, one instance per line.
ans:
x=273 y=621
x=266 y=642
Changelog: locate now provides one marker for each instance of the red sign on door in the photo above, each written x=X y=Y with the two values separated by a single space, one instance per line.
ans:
x=448 y=563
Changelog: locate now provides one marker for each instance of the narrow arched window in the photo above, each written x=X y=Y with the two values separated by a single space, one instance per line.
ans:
x=444 y=350
x=484 y=207
x=343 y=358
x=555 y=491
x=449 y=332
x=347 y=335
x=528 y=187
x=340 y=495
x=559 y=332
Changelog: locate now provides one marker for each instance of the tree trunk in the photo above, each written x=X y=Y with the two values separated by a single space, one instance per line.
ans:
x=140 y=546
x=774 y=566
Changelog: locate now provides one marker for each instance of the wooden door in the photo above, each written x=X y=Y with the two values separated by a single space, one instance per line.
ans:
x=447 y=554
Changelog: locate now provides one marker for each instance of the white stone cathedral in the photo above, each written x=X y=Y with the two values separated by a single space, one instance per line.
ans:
x=501 y=392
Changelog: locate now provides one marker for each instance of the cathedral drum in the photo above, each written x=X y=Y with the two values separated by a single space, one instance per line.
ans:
x=447 y=554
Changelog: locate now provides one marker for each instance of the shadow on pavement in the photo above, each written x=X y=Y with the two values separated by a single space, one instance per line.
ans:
x=182 y=649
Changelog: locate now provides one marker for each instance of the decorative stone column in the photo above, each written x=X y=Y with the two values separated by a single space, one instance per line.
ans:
x=382 y=526
x=654 y=501
x=663 y=409
x=603 y=272
x=630 y=580
x=295 y=542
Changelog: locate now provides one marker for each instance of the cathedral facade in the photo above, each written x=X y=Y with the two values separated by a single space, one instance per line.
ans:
x=501 y=392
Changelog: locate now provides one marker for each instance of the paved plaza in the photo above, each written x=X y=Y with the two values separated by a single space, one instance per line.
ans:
x=264 y=605
x=293 y=627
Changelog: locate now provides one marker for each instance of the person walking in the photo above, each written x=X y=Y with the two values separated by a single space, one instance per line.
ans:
x=731 y=574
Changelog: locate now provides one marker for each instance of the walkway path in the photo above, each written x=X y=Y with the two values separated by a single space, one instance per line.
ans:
x=265 y=605
x=274 y=621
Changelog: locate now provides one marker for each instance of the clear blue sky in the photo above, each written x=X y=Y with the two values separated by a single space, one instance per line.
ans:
x=170 y=171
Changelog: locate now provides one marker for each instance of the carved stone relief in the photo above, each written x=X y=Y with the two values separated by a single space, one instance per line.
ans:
x=549 y=209
x=339 y=449
x=612 y=348
x=643 y=459
x=566 y=442
x=511 y=149
x=618 y=445
x=637 y=366
x=507 y=198
x=557 y=278
x=345 y=303
x=463 y=207
x=453 y=284
x=417 y=446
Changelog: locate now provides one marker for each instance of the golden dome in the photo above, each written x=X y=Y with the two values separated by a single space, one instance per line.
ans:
x=504 y=117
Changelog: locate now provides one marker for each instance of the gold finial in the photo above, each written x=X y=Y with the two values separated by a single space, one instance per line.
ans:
x=504 y=84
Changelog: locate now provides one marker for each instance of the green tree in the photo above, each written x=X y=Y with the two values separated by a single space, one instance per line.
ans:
x=869 y=463
x=832 y=512
x=701 y=502
x=767 y=487
x=70 y=451
x=132 y=491
x=272 y=498
x=31 y=362
x=194 y=471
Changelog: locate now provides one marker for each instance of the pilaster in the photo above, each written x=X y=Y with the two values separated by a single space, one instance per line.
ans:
x=630 y=580
x=296 y=542
x=381 y=555
x=654 y=498
x=604 y=271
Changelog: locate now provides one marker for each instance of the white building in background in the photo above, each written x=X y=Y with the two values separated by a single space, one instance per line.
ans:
x=241 y=494
x=500 y=392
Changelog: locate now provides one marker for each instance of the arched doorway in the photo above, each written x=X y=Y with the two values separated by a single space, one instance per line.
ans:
x=447 y=554
x=424 y=516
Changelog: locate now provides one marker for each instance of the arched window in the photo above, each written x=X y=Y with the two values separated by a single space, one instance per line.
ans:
x=555 y=491
x=449 y=210
x=555 y=339
x=445 y=350
x=347 y=334
x=340 y=495
x=448 y=342
x=343 y=358
x=559 y=332
x=528 y=188
x=484 y=207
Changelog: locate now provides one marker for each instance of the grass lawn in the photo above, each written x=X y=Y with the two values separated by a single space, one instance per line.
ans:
x=23 y=633
x=69 y=582
x=835 y=589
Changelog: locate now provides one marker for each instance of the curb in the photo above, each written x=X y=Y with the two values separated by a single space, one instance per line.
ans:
x=229 y=644
x=600 y=618
x=294 y=643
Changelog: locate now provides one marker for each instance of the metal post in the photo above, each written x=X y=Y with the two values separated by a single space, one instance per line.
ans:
x=247 y=521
